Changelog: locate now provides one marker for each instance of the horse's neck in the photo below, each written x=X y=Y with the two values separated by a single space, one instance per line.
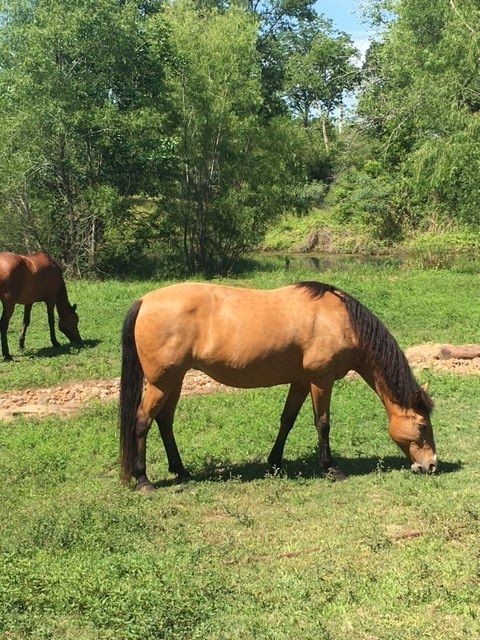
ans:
x=373 y=378
x=63 y=304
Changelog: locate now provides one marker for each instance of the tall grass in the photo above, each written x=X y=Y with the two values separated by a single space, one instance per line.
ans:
x=238 y=553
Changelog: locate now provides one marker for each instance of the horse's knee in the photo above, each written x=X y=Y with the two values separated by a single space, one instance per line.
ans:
x=142 y=427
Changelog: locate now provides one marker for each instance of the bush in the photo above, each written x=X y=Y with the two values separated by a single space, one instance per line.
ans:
x=368 y=199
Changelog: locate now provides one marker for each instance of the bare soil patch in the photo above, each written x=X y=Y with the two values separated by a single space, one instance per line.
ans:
x=66 y=399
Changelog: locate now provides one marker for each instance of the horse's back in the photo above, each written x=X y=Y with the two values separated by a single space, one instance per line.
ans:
x=12 y=274
x=243 y=337
x=25 y=279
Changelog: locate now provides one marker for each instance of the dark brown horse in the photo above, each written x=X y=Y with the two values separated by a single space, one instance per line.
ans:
x=307 y=335
x=35 y=278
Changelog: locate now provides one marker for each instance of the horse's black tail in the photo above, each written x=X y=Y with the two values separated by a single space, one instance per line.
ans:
x=131 y=383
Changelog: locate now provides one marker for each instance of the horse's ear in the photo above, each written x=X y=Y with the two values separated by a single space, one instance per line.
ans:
x=74 y=307
x=421 y=400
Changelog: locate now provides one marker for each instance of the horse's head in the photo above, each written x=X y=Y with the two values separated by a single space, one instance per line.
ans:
x=412 y=430
x=68 y=324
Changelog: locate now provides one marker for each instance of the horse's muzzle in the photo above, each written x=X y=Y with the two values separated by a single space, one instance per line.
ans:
x=428 y=468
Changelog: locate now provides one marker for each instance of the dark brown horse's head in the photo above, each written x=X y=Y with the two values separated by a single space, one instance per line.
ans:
x=412 y=430
x=68 y=324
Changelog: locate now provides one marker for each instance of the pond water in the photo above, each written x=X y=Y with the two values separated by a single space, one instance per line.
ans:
x=461 y=262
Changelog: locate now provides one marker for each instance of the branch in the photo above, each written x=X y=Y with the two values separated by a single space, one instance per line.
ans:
x=471 y=29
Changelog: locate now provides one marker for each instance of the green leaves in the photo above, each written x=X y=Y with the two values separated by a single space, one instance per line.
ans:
x=421 y=102
x=78 y=85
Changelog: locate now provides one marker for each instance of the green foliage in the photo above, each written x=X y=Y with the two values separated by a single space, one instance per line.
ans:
x=73 y=80
x=420 y=102
x=442 y=176
x=318 y=68
x=233 y=170
x=367 y=199
x=106 y=103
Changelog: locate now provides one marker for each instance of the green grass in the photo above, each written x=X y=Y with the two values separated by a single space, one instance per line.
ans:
x=417 y=305
x=323 y=230
x=236 y=552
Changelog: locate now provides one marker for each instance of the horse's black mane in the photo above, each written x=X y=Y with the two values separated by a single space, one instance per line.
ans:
x=378 y=345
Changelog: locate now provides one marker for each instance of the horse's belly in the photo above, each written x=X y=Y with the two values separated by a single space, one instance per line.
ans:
x=262 y=371
x=247 y=378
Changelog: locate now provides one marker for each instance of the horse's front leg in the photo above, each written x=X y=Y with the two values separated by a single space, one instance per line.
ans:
x=4 y=322
x=321 y=395
x=27 y=312
x=295 y=398
x=51 y=324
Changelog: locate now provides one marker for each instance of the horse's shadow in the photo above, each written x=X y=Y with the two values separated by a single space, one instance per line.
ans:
x=307 y=468
x=62 y=349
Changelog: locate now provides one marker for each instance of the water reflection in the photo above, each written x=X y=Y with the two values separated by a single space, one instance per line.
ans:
x=461 y=262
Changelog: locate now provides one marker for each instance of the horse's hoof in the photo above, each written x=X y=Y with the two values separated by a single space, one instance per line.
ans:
x=145 y=487
x=184 y=476
x=334 y=474
x=7 y=358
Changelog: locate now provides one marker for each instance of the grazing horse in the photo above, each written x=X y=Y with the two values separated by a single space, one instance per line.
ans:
x=307 y=335
x=35 y=278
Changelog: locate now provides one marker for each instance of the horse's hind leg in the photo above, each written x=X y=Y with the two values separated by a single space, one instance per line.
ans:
x=152 y=402
x=4 y=322
x=295 y=398
x=27 y=312
x=164 y=420
x=321 y=395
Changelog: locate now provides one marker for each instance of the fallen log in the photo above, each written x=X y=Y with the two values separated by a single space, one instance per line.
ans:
x=461 y=352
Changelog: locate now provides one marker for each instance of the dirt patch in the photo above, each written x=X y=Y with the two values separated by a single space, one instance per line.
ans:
x=446 y=357
x=64 y=400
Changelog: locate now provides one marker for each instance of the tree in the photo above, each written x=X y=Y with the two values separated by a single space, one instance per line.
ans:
x=233 y=170
x=421 y=100
x=83 y=120
x=320 y=70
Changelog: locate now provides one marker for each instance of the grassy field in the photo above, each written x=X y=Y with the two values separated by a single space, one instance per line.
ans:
x=236 y=552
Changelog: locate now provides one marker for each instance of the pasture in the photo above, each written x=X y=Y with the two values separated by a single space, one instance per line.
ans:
x=237 y=552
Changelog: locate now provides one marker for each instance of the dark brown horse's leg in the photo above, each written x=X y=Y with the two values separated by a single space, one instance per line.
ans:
x=165 y=425
x=321 y=409
x=26 y=321
x=4 y=322
x=51 y=324
x=295 y=398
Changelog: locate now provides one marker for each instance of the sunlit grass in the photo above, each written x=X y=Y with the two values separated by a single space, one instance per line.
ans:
x=238 y=553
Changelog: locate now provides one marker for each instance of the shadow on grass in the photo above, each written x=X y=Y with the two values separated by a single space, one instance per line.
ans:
x=307 y=468
x=63 y=349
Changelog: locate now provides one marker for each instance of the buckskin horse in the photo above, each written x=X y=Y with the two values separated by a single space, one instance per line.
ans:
x=307 y=335
x=29 y=279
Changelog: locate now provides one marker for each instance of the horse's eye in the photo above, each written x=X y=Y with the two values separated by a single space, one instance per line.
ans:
x=422 y=426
